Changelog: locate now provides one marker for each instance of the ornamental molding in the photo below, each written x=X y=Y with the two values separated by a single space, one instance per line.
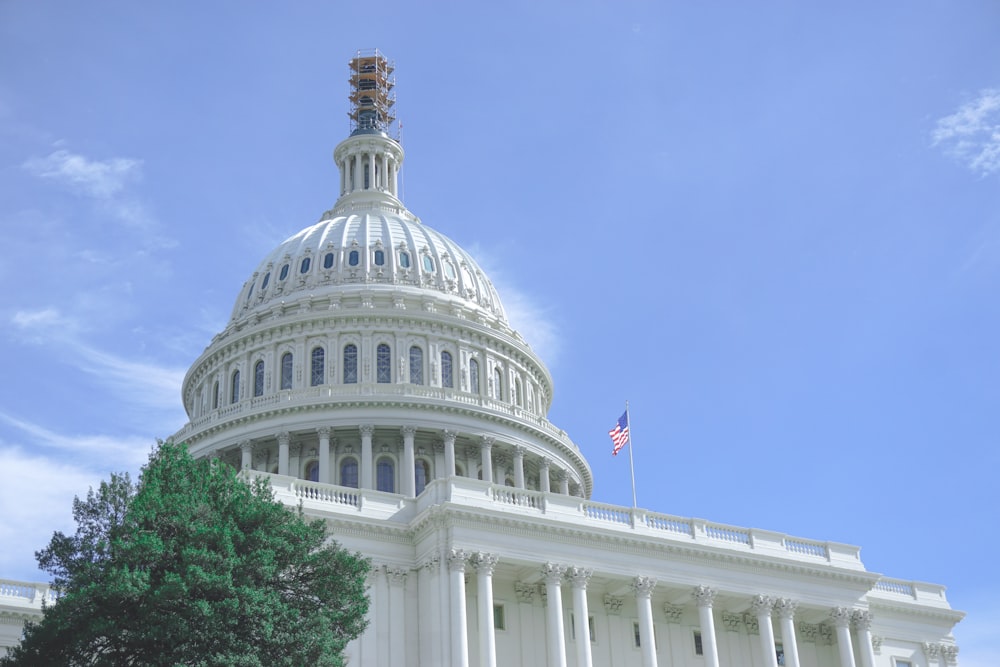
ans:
x=396 y=575
x=824 y=634
x=752 y=624
x=785 y=608
x=861 y=619
x=613 y=605
x=808 y=632
x=553 y=573
x=457 y=559
x=525 y=592
x=579 y=576
x=841 y=616
x=673 y=613
x=731 y=622
x=761 y=605
x=877 y=644
x=485 y=563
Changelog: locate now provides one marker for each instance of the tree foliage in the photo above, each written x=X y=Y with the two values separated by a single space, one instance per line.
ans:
x=194 y=566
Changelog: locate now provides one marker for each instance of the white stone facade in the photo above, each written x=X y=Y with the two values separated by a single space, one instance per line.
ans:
x=369 y=372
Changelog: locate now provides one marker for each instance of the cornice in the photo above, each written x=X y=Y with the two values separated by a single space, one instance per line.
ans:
x=950 y=616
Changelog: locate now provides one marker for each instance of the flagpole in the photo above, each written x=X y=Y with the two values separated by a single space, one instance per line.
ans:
x=631 y=464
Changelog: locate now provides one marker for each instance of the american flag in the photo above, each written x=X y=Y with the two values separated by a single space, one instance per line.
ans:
x=619 y=434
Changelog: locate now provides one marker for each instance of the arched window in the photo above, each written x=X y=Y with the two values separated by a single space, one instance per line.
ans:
x=416 y=365
x=316 y=372
x=385 y=475
x=350 y=364
x=286 y=370
x=473 y=376
x=497 y=384
x=312 y=471
x=349 y=473
x=328 y=260
x=234 y=394
x=284 y=272
x=422 y=475
x=383 y=364
x=354 y=258
x=428 y=263
x=518 y=398
x=447 y=380
x=304 y=267
x=258 y=379
x=404 y=259
x=267 y=279
x=379 y=257
x=250 y=293
x=215 y=395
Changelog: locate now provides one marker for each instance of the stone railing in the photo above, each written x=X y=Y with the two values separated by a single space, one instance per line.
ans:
x=24 y=595
x=466 y=492
x=916 y=591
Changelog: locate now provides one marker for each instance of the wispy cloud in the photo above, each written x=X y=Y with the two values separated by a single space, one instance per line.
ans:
x=128 y=452
x=100 y=179
x=971 y=135
x=148 y=385
x=525 y=314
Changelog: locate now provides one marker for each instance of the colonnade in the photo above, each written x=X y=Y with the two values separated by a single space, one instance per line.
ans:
x=369 y=168
x=443 y=603
x=504 y=466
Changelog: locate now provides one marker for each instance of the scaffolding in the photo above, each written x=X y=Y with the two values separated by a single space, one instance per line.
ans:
x=371 y=94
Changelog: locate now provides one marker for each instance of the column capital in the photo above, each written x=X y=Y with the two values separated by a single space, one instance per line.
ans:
x=762 y=605
x=703 y=596
x=613 y=604
x=408 y=431
x=456 y=560
x=246 y=446
x=673 y=612
x=553 y=572
x=525 y=592
x=931 y=650
x=502 y=459
x=486 y=441
x=438 y=446
x=862 y=619
x=519 y=451
x=950 y=653
x=396 y=575
x=561 y=475
x=484 y=562
x=643 y=586
x=544 y=463
x=284 y=438
x=431 y=562
x=579 y=576
x=449 y=437
x=785 y=607
x=841 y=616
x=324 y=431
x=366 y=429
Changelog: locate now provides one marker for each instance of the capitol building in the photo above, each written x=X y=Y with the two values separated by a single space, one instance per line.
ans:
x=369 y=372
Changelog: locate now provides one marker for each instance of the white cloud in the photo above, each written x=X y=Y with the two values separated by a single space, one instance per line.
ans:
x=95 y=178
x=128 y=452
x=138 y=383
x=525 y=315
x=972 y=134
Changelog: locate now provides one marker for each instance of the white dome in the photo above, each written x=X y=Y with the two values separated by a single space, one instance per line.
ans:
x=384 y=247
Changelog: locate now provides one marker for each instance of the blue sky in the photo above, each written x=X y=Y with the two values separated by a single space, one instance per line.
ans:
x=774 y=228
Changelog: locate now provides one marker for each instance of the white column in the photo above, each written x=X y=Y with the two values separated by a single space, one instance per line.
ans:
x=459 y=629
x=384 y=184
x=449 y=453
x=407 y=484
x=246 y=455
x=554 y=626
x=324 y=454
x=762 y=605
x=397 y=615
x=842 y=620
x=563 y=478
x=862 y=620
x=283 y=440
x=519 y=466
x=485 y=564
x=581 y=612
x=501 y=461
x=704 y=596
x=429 y=625
x=786 y=616
x=544 y=485
x=371 y=171
x=366 y=456
x=394 y=170
x=486 y=450
x=643 y=588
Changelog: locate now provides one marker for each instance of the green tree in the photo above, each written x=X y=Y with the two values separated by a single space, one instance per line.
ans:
x=194 y=566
